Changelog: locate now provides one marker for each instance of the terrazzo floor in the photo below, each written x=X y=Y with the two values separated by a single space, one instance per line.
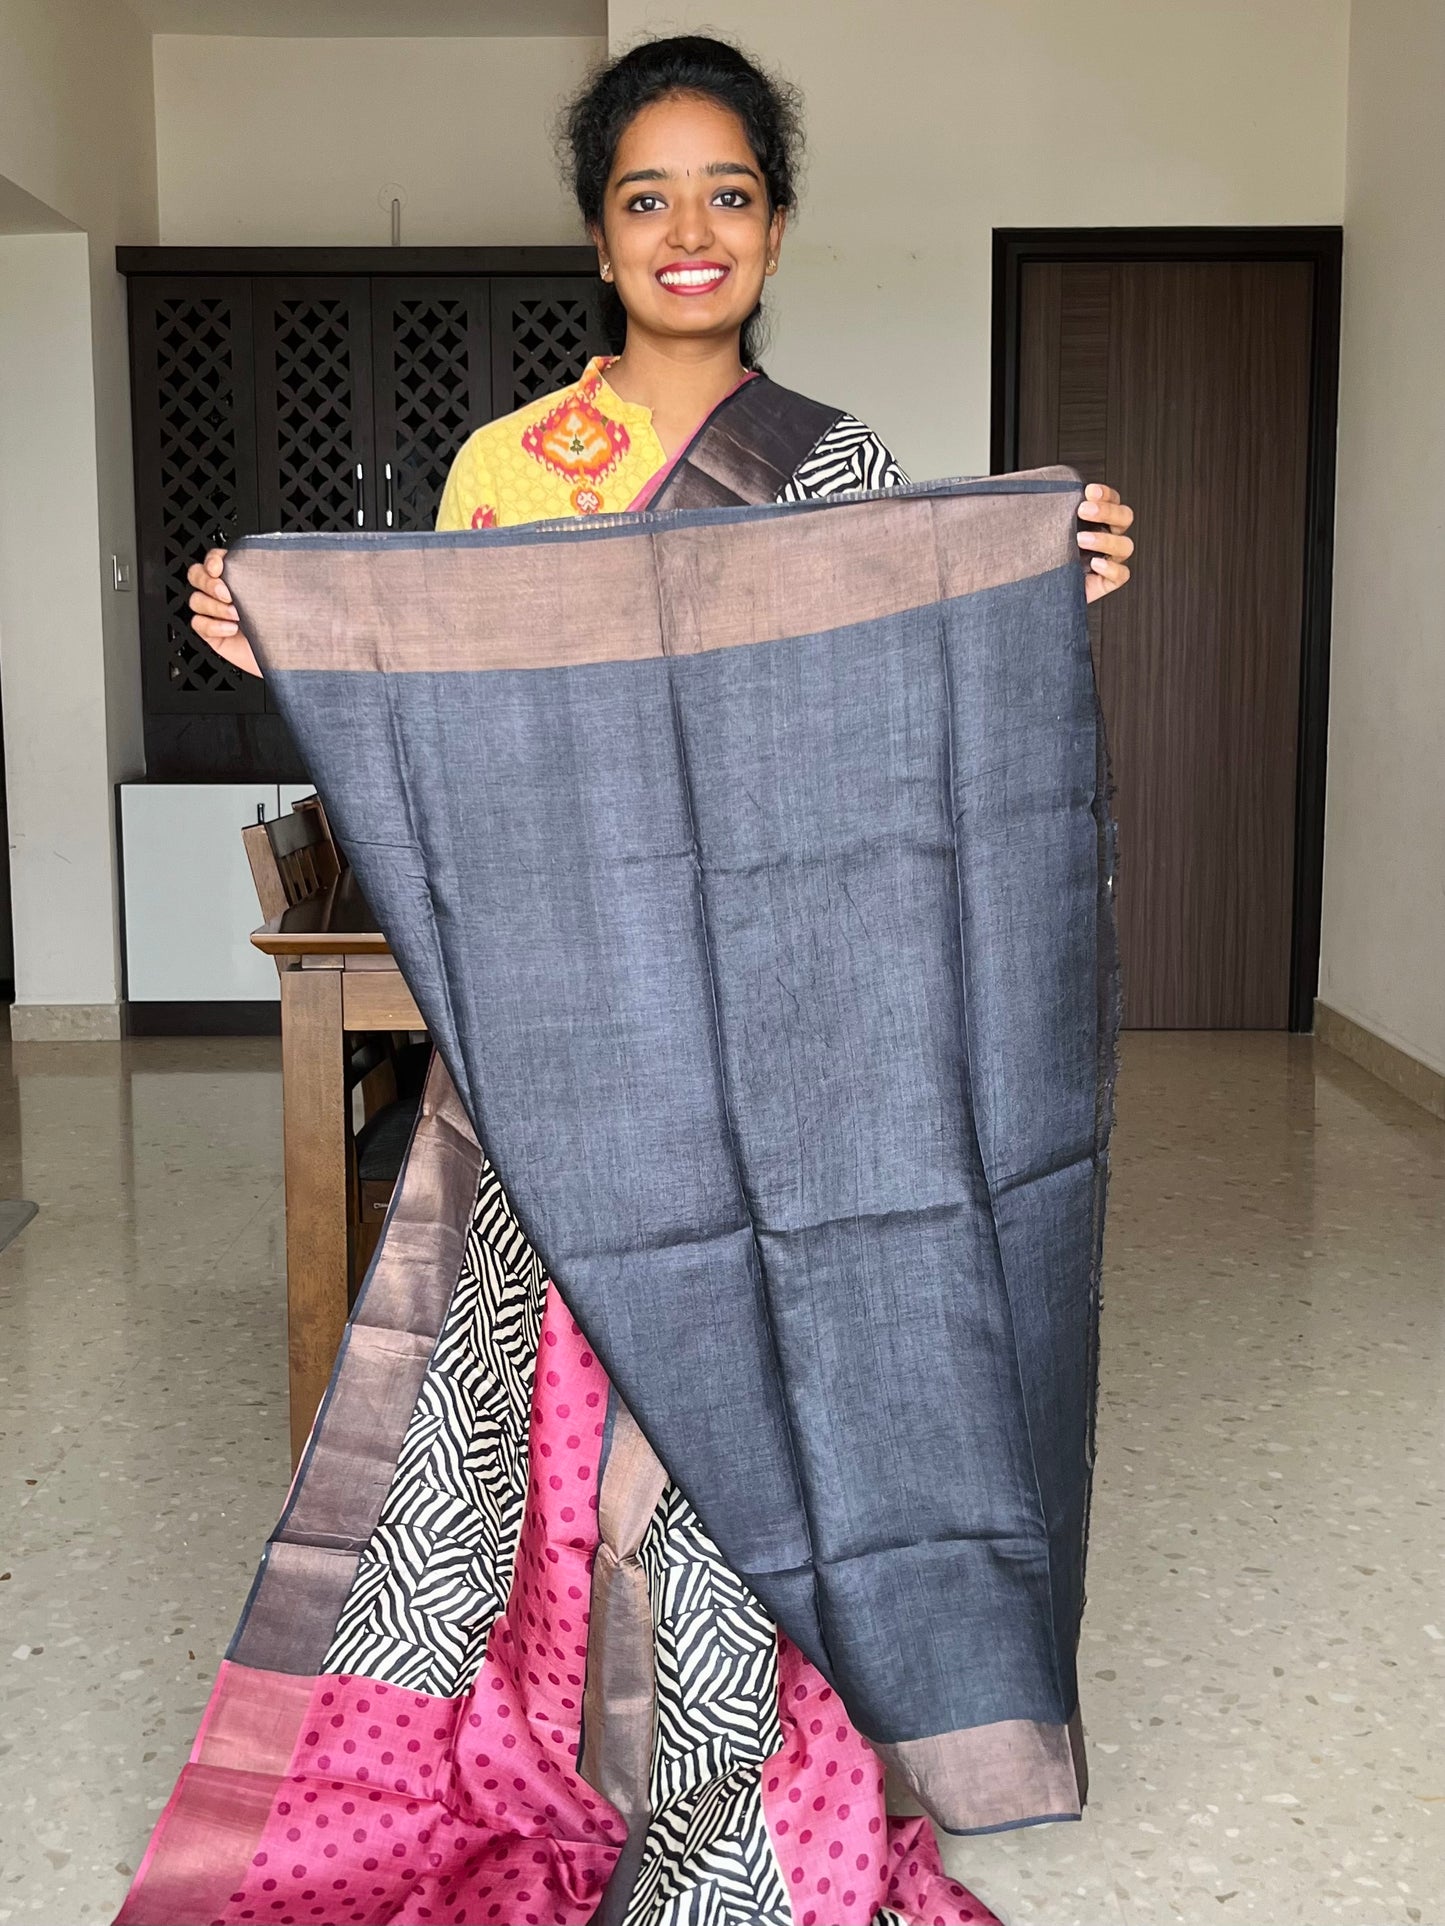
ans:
x=1265 y=1642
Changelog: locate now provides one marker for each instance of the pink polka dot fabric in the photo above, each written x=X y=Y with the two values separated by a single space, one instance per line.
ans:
x=842 y=1856
x=402 y=1807
x=398 y=1806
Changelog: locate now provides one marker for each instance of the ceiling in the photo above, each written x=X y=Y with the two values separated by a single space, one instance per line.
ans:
x=363 y=19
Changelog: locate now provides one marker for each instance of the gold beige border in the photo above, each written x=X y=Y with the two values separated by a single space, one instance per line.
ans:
x=350 y=1463
x=986 y=1778
x=637 y=595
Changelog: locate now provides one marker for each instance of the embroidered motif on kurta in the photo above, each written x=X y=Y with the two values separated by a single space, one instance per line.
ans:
x=553 y=457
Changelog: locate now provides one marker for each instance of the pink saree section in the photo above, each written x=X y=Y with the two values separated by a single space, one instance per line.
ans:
x=345 y=1799
x=342 y=1799
x=843 y=1857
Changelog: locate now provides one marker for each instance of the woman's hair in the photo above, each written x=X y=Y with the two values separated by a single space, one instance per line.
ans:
x=594 y=123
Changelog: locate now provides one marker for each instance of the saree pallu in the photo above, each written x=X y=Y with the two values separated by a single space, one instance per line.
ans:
x=752 y=869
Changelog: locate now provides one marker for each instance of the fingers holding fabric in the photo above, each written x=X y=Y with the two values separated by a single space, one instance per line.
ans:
x=213 y=613
x=1106 y=543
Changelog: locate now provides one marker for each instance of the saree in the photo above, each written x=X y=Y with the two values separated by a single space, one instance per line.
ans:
x=792 y=1057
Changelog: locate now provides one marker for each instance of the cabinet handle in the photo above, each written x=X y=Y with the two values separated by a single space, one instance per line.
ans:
x=360 y=500
x=389 y=516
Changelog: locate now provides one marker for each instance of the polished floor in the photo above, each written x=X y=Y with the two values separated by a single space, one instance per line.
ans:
x=1265 y=1642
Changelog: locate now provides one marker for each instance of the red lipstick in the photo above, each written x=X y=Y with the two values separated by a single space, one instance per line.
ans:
x=692 y=277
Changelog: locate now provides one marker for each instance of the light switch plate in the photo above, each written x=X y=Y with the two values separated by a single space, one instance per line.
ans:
x=120 y=575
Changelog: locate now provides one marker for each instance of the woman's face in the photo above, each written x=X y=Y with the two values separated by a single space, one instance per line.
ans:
x=686 y=232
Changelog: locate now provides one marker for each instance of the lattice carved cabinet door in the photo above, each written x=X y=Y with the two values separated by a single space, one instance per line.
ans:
x=314 y=439
x=544 y=331
x=196 y=482
x=433 y=386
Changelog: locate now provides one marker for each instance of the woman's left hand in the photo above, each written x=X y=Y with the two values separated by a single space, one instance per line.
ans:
x=1108 y=546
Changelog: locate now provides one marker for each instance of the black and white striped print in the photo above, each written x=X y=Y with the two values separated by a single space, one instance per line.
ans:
x=716 y=1657
x=707 y=1856
x=709 y=1861
x=437 y=1569
x=848 y=457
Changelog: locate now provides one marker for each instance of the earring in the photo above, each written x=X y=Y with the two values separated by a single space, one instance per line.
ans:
x=606 y=270
x=772 y=265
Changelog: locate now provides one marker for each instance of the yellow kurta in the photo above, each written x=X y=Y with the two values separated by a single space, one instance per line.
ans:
x=580 y=451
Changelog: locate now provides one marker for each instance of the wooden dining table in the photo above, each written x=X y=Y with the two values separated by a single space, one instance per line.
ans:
x=337 y=976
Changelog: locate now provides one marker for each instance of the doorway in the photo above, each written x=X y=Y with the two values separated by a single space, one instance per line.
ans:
x=1196 y=370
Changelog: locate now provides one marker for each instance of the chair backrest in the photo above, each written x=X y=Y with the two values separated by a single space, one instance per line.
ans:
x=292 y=858
x=270 y=890
x=304 y=851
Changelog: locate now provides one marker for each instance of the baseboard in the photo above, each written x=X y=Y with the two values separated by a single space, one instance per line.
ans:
x=1387 y=1061
x=65 y=1023
x=251 y=1017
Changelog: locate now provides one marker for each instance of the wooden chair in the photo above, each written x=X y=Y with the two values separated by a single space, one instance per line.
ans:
x=265 y=872
x=294 y=858
x=295 y=854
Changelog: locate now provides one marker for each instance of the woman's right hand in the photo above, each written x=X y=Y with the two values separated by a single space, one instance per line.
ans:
x=214 y=616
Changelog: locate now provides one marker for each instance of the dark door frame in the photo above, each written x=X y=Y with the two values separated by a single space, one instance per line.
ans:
x=1013 y=249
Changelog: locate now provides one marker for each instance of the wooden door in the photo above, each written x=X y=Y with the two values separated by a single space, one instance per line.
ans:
x=314 y=432
x=1186 y=384
x=195 y=464
x=432 y=381
x=315 y=426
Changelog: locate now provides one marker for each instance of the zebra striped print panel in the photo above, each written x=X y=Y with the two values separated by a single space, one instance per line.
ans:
x=436 y=1572
x=849 y=456
x=707 y=1860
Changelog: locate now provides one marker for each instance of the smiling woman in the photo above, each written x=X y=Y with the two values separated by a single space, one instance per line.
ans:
x=683 y=157
x=719 y=173
x=695 y=1762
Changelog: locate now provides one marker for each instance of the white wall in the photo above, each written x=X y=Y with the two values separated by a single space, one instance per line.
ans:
x=300 y=142
x=930 y=122
x=1383 y=960
x=77 y=136
x=51 y=627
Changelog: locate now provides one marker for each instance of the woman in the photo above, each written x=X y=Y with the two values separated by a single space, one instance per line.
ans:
x=756 y=1799
x=683 y=159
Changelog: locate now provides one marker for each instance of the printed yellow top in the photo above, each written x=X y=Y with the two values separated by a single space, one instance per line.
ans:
x=582 y=450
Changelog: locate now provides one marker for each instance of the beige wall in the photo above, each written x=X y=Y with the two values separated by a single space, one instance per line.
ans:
x=930 y=122
x=1383 y=961
x=77 y=137
x=52 y=669
x=300 y=142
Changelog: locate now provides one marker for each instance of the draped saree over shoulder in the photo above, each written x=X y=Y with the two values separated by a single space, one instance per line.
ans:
x=752 y=868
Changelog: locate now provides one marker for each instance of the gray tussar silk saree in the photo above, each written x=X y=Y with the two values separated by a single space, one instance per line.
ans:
x=715 y=1427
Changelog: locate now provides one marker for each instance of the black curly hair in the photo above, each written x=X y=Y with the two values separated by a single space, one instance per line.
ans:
x=595 y=120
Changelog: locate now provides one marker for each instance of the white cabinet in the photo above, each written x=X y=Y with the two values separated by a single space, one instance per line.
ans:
x=190 y=904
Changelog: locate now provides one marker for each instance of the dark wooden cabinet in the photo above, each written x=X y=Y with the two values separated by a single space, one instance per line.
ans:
x=311 y=338
x=432 y=384
x=194 y=426
x=319 y=389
